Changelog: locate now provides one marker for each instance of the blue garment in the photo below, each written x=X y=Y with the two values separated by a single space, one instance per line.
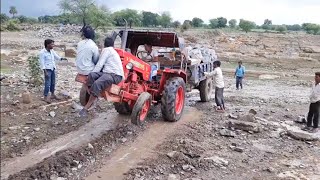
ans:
x=49 y=82
x=240 y=71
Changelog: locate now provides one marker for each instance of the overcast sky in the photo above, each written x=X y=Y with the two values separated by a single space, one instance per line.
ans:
x=279 y=11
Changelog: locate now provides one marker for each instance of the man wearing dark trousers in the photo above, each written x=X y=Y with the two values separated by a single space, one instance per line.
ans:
x=314 y=108
x=107 y=71
x=219 y=85
x=239 y=74
x=47 y=64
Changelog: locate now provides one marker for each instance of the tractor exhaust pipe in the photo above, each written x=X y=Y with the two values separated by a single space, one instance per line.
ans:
x=124 y=36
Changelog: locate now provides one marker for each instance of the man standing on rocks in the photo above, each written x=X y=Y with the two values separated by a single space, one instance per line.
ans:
x=219 y=84
x=47 y=64
x=314 y=108
x=239 y=74
x=108 y=71
x=87 y=52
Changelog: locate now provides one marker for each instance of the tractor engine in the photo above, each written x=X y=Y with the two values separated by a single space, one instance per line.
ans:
x=136 y=71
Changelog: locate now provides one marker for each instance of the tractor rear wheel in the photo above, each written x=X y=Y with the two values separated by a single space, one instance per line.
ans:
x=173 y=99
x=84 y=95
x=206 y=88
x=141 y=108
x=122 y=108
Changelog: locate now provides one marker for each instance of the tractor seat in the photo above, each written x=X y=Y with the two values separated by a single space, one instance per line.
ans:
x=81 y=78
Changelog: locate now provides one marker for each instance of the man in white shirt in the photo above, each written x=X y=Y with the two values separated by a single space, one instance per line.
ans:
x=87 y=52
x=219 y=84
x=108 y=71
x=314 y=108
x=47 y=57
x=152 y=58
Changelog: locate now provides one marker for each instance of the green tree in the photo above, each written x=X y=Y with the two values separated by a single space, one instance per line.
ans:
x=149 y=19
x=132 y=16
x=13 y=11
x=46 y=19
x=81 y=11
x=99 y=16
x=304 y=25
x=78 y=8
x=186 y=25
x=233 y=23
x=176 y=24
x=222 y=22
x=295 y=27
x=165 y=19
x=311 y=28
x=281 y=28
x=213 y=23
x=246 y=25
x=267 y=22
x=22 y=19
x=197 y=22
x=4 y=18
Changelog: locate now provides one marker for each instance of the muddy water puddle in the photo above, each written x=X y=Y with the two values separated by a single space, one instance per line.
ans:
x=93 y=129
x=129 y=156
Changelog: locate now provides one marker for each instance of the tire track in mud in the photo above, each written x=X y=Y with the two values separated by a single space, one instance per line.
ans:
x=90 y=131
x=127 y=157
x=58 y=158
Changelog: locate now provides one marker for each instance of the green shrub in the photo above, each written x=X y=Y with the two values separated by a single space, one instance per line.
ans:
x=281 y=28
x=13 y=25
x=35 y=70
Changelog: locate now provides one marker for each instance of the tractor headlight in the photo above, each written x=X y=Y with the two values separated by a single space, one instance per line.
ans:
x=129 y=66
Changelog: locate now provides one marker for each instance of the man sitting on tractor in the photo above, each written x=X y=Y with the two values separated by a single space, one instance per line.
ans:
x=108 y=71
x=87 y=51
x=152 y=58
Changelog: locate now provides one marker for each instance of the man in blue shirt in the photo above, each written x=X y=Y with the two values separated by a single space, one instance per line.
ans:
x=47 y=64
x=239 y=74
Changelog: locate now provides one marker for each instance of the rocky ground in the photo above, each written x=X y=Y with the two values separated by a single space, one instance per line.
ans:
x=257 y=138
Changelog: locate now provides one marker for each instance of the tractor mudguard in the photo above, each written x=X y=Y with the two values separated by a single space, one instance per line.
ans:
x=169 y=73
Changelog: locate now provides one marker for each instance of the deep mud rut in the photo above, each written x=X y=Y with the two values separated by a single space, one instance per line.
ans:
x=87 y=133
x=143 y=147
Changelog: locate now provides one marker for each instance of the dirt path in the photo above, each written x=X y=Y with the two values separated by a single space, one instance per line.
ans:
x=143 y=147
x=90 y=131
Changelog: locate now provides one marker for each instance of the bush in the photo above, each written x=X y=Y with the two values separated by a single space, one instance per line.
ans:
x=35 y=71
x=311 y=28
x=13 y=25
x=246 y=25
x=281 y=28
x=185 y=26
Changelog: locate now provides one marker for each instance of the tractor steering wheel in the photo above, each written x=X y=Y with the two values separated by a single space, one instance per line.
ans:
x=140 y=54
x=143 y=55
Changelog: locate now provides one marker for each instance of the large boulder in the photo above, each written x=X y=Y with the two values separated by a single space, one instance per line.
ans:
x=245 y=126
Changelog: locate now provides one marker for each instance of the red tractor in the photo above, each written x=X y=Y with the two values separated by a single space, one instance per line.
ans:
x=139 y=90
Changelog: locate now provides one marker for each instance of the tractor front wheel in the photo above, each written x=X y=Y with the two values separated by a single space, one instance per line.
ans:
x=122 y=108
x=141 y=108
x=84 y=95
x=173 y=99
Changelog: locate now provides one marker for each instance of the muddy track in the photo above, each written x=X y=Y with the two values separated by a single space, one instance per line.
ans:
x=67 y=162
x=75 y=154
